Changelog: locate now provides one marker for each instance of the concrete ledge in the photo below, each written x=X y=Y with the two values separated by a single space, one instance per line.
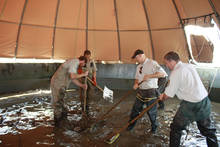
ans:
x=23 y=77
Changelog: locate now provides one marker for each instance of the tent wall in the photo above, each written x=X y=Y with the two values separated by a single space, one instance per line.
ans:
x=112 y=29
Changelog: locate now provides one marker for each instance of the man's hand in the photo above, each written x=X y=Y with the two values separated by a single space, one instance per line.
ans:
x=135 y=86
x=163 y=97
x=84 y=86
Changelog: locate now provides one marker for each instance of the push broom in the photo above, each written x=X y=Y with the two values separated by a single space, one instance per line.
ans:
x=113 y=136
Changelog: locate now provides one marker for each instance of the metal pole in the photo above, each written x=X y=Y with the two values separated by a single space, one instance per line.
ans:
x=149 y=28
x=19 y=28
x=118 y=32
x=182 y=26
x=87 y=22
x=214 y=10
x=54 y=29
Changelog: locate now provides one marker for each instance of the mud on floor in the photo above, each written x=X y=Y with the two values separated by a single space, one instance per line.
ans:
x=30 y=123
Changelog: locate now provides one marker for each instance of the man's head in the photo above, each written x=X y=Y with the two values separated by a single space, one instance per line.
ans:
x=139 y=56
x=82 y=60
x=87 y=54
x=171 y=59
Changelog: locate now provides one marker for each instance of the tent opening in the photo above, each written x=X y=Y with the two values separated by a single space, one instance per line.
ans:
x=18 y=60
x=204 y=44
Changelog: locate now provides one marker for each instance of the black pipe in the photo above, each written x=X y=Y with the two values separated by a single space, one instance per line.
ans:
x=54 y=29
x=87 y=22
x=182 y=25
x=118 y=32
x=214 y=10
x=149 y=28
x=19 y=28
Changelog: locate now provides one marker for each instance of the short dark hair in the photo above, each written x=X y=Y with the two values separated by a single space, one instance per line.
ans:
x=87 y=52
x=137 y=52
x=81 y=58
x=172 y=56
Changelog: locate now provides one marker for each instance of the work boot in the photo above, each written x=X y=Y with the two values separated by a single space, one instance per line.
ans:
x=154 y=129
x=60 y=113
x=57 y=121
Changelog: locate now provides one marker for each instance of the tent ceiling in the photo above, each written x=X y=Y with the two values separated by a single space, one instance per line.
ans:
x=111 y=29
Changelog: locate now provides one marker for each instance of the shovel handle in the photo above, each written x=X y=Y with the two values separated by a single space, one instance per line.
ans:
x=116 y=104
x=85 y=94
x=133 y=120
x=90 y=80
x=140 y=83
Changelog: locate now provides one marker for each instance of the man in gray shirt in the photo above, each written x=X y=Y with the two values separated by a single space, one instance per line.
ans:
x=60 y=81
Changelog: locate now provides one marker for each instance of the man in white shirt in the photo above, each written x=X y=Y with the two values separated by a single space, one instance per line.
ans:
x=147 y=72
x=195 y=106
x=66 y=73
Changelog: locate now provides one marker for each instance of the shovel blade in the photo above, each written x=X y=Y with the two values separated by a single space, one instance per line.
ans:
x=108 y=94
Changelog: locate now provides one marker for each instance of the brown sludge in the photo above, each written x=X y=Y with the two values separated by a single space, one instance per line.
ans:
x=31 y=124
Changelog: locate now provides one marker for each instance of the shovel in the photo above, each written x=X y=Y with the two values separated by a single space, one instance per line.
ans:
x=107 y=93
x=115 y=105
x=113 y=136
x=100 y=119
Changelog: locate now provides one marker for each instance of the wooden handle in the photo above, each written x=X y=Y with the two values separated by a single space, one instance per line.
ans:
x=85 y=95
x=95 y=85
x=116 y=104
x=133 y=120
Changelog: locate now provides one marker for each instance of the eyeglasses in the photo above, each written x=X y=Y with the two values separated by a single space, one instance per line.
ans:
x=140 y=70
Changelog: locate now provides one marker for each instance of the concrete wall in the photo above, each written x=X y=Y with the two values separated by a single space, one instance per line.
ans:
x=22 y=77
x=211 y=80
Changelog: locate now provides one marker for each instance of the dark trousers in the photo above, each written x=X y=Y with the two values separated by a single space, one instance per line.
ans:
x=60 y=112
x=138 y=107
x=162 y=83
x=205 y=126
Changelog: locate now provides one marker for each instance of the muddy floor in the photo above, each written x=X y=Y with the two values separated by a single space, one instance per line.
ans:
x=29 y=122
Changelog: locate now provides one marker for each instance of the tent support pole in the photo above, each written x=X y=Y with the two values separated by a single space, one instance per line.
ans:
x=182 y=26
x=54 y=29
x=214 y=10
x=149 y=28
x=87 y=22
x=19 y=28
x=118 y=31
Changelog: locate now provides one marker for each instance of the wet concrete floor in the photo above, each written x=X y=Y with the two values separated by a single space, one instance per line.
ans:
x=30 y=123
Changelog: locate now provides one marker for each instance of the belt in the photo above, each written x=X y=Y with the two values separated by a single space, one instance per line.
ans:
x=146 y=99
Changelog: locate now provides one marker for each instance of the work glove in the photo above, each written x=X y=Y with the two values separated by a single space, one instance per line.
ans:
x=79 y=70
